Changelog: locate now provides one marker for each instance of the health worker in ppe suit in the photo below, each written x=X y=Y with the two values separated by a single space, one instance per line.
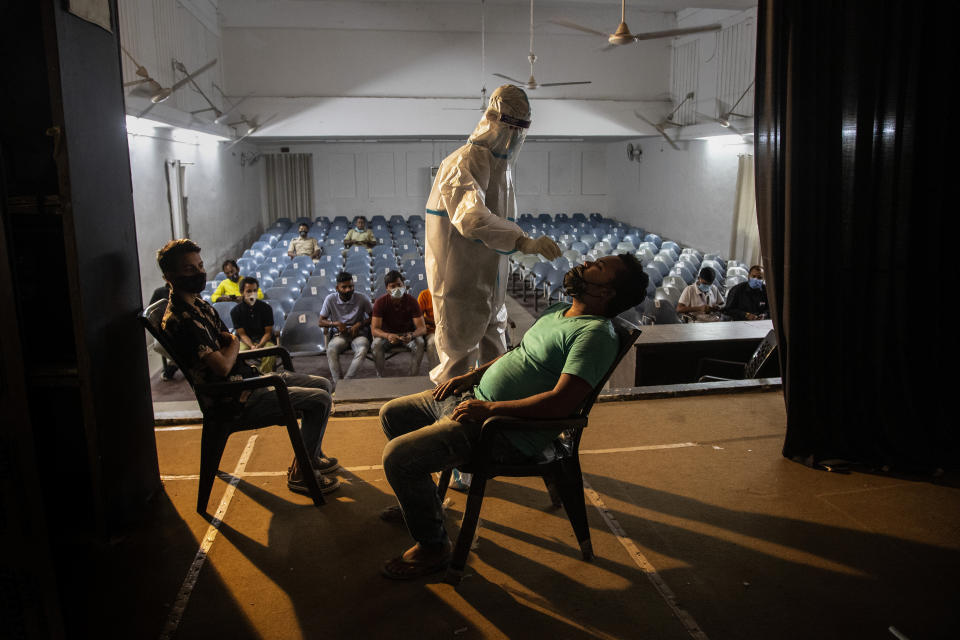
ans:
x=470 y=232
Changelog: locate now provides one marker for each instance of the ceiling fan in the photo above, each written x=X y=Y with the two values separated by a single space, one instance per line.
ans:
x=146 y=85
x=232 y=106
x=663 y=124
x=252 y=124
x=622 y=34
x=532 y=83
x=217 y=113
x=162 y=93
x=725 y=113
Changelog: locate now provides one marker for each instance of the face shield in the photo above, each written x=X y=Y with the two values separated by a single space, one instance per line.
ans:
x=505 y=123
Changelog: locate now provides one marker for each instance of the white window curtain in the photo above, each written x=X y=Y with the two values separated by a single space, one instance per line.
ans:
x=289 y=185
x=745 y=241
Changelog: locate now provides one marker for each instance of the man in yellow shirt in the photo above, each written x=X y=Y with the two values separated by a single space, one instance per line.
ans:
x=229 y=289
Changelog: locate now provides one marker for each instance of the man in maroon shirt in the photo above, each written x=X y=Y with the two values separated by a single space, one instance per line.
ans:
x=397 y=323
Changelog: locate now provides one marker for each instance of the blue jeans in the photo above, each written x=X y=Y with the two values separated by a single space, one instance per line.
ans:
x=337 y=345
x=422 y=440
x=309 y=395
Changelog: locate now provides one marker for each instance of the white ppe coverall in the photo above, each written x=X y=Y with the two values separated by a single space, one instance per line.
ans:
x=470 y=230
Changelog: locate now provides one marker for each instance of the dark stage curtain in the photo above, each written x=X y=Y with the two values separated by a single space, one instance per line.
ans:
x=854 y=163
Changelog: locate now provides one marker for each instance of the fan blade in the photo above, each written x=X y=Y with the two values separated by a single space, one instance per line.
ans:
x=735 y=130
x=637 y=113
x=237 y=141
x=560 y=84
x=514 y=80
x=670 y=33
x=147 y=110
x=609 y=47
x=133 y=82
x=710 y=118
x=579 y=27
x=183 y=81
x=667 y=138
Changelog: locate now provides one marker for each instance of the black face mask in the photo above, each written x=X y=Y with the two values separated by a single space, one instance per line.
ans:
x=234 y=277
x=191 y=284
x=345 y=295
x=574 y=284
x=303 y=234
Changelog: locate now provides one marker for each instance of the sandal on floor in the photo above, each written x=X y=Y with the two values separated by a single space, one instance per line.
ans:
x=400 y=569
x=392 y=514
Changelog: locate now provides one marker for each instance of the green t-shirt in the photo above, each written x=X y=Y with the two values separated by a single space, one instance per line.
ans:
x=583 y=346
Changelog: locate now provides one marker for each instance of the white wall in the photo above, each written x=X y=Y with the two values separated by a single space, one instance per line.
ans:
x=388 y=178
x=687 y=195
x=223 y=214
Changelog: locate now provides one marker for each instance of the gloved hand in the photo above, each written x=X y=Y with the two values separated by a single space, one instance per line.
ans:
x=543 y=245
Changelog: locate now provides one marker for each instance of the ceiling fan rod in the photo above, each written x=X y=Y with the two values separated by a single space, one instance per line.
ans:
x=689 y=96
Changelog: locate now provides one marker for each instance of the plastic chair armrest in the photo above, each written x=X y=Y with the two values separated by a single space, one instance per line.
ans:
x=232 y=388
x=507 y=423
x=269 y=351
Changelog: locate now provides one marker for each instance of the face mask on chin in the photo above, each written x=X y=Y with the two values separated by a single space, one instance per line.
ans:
x=191 y=284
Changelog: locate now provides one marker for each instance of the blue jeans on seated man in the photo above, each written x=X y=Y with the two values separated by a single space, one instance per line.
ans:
x=382 y=345
x=309 y=395
x=337 y=345
x=423 y=440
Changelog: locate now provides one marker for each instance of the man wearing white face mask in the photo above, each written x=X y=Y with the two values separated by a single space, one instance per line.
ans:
x=702 y=299
x=253 y=322
x=470 y=231
x=397 y=322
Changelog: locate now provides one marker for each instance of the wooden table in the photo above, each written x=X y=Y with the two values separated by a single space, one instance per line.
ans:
x=670 y=353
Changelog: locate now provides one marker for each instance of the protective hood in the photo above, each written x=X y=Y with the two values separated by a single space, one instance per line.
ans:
x=505 y=123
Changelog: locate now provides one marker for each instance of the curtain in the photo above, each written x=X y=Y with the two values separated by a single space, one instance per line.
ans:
x=851 y=180
x=745 y=243
x=289 y=185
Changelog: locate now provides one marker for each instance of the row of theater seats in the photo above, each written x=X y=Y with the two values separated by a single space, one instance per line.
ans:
x=670 y=267
x=295 y=288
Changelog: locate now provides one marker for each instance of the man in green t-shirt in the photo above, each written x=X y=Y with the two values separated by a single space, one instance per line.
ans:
x=557 y=364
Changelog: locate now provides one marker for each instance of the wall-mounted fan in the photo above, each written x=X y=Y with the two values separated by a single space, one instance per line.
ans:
x=623 y=36
x=666 y=121
x=532 y=84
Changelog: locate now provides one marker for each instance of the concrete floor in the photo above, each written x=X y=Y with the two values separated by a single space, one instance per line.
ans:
x=713 y=525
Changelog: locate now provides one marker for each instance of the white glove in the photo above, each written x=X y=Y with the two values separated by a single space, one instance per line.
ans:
x=544 y=245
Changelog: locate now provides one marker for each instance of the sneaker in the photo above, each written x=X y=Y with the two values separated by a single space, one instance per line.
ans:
x=326 y=465
x=296 y=484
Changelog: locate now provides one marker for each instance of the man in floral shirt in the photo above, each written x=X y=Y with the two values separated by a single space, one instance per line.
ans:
x=207 y=353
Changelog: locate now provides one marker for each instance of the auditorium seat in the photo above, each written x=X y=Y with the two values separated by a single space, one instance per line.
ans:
x=223 y=310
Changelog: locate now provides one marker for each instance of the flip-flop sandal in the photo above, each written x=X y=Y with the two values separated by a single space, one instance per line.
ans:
x=400 y=569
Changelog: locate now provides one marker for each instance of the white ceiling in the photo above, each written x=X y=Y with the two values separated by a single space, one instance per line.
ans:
x=315 y=69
